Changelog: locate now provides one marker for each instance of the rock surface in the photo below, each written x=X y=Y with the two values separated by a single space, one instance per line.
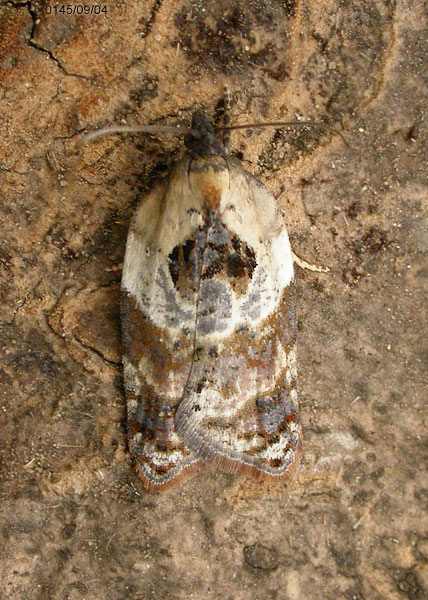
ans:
x=75 y=522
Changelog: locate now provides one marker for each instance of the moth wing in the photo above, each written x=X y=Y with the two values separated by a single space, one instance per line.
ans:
x=158 y=330
x=240 y=403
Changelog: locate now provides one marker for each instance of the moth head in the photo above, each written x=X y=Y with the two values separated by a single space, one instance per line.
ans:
x=201 y=139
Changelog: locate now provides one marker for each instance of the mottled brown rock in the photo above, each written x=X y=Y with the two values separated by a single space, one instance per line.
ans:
x=261 y=557
x=75 y=523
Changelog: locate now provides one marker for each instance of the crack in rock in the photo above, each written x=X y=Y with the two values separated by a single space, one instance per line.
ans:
x=34 y=44
x=111 y=363
x=148 y=25
x=56 y=313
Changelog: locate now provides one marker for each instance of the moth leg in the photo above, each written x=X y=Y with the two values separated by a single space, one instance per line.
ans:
x=226 y=118
x=223 y=117
x=307 y=266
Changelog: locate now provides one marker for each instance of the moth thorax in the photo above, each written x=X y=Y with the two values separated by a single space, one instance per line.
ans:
x=209 y=178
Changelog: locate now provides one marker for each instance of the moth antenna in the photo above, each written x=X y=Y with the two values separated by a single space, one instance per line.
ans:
x=284 y=124
x=171 y=130
x=274 y=124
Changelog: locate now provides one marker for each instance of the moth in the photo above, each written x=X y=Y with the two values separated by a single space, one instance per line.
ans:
x=208 y=315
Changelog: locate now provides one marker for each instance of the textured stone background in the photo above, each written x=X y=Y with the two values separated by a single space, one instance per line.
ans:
x=75 y=523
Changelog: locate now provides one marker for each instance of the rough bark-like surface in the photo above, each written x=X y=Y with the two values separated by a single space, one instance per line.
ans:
x=75 y=522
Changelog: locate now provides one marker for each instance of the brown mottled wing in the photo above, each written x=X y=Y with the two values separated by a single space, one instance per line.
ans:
x=158 y=331
x=240 y=402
